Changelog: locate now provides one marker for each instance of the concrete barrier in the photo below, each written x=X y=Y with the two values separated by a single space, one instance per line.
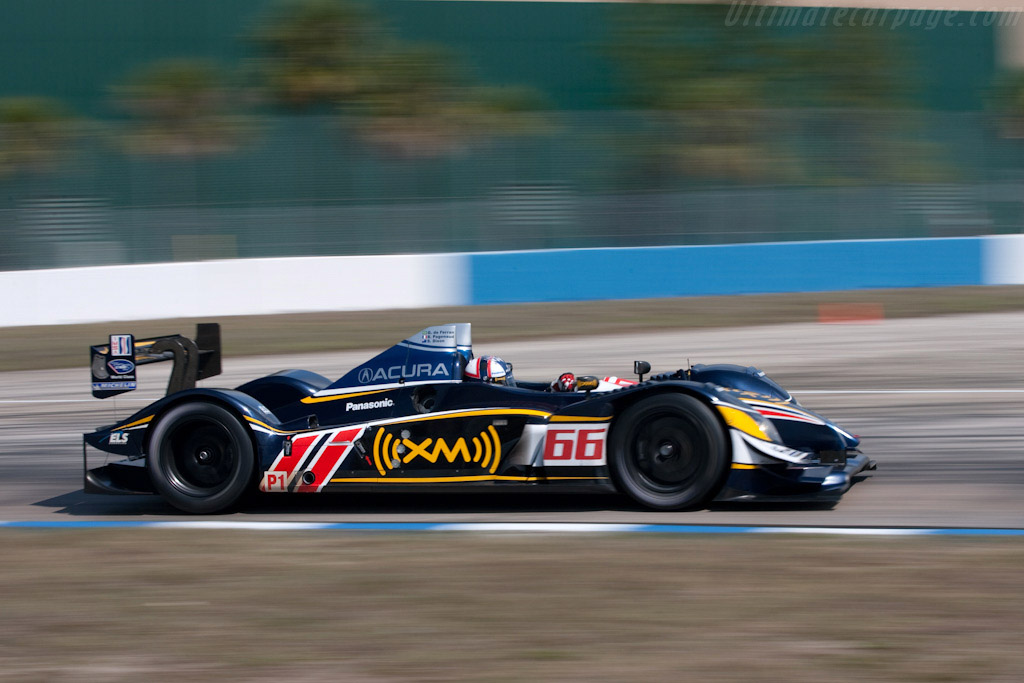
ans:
x=349 y=283
x=1003 y=260
x=231 y=287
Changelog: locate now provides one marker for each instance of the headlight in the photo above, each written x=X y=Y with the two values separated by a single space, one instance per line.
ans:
x=754 y=424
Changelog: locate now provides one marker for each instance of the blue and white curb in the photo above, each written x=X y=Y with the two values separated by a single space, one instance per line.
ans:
x=513 y=527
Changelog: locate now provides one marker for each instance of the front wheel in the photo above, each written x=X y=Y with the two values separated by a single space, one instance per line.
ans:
x=201 y=459
x=668 y=452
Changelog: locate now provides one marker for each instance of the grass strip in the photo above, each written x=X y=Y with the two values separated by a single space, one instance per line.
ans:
x=166 y=604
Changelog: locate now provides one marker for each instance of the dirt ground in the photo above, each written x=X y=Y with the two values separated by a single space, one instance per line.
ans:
x=120 y=605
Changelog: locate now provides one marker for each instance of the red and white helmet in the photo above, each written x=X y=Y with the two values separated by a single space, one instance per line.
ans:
x=565 y=382
x=489 y=369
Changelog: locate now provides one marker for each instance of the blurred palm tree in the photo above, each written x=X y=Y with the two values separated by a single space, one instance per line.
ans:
x=733 y=102
x=181 y=107
x=703 y=85
x=36 y=134
x=411 y=99
x=315 y=52
x=1006 y=102
x=418 y=102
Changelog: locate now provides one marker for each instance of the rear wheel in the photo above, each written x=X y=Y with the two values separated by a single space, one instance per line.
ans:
x=668 y=452
x=201 y=459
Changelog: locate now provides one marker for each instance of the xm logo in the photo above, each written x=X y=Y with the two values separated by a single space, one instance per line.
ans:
x=390 y=452
x=396 y=372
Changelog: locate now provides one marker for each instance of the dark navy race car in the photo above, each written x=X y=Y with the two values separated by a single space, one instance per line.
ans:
x=427 y=415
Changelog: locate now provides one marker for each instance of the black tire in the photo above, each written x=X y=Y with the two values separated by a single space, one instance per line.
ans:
x=200 y=458
x=668 y=452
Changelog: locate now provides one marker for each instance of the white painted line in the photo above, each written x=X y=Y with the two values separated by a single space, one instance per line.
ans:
x=72 y=400
x=554 y=527
x=526 y=527
x=30 y=435
x=229 y=524
x=906 y=391
x=792 y=391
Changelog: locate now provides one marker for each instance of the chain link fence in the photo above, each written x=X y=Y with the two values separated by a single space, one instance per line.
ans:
x=302 y=186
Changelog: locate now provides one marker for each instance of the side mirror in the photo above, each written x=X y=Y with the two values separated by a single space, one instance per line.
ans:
x=641 y=368
x=587 y=383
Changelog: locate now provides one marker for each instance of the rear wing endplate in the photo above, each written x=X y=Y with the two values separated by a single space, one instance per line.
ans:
x=114 y=364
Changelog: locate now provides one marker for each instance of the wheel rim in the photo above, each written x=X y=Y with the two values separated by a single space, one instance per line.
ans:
x=202 y=457
x=667 y=452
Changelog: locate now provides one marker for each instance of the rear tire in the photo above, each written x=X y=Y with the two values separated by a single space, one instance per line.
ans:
x=668 y=452
x=201 y=459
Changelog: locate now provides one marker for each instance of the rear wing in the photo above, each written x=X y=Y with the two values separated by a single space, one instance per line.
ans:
x=113 y=365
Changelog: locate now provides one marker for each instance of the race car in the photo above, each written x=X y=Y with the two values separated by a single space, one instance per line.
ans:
x=428 y=415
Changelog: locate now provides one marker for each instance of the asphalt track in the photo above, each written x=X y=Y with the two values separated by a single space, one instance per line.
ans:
x=938 y=402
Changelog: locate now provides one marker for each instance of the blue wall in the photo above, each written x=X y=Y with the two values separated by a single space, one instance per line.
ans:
x=650 y=272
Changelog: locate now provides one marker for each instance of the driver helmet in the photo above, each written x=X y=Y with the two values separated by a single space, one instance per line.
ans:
x=489 y=369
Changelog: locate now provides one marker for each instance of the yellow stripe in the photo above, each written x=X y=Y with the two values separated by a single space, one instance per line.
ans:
x=137 y=422
x=438 y=480
x=266 y=426
x=576 y=418
x=322 y=399
x=417 y=418
x=737 y=419
x=743 y=466
x=471 y=413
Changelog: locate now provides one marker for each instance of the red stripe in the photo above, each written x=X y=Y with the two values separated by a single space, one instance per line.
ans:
x=299 y=447
x=330 y=458
x=789 y=416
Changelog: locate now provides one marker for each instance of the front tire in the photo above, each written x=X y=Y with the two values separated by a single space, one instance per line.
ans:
x=201 y=459
x=668 y=452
